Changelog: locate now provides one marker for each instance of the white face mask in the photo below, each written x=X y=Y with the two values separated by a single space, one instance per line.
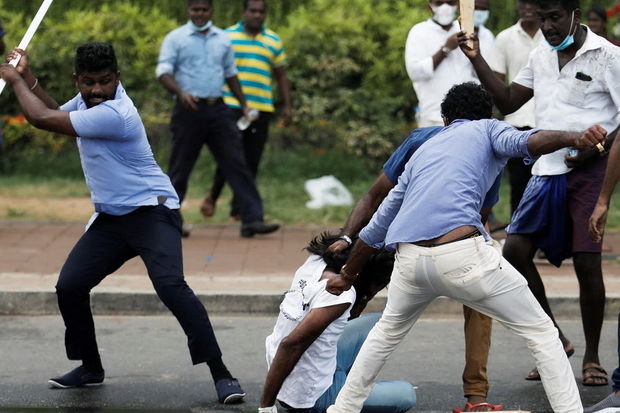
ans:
x=480 y=17
x=444 y=14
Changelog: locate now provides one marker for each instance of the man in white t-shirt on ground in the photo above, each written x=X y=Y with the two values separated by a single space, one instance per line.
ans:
x=307 y=368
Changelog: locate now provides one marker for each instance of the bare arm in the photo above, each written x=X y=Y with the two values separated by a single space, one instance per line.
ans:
x=546 y=141
x=170 y=84
x=506 y=98
x=364 y=209
x=285 y=94
x=598 y=219
x=23 y=68
x=35 y=110
x=294 y=345
x=235 y=88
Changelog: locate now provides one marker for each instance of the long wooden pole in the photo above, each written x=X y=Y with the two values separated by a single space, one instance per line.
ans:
x=467 y=18
x=32 y=29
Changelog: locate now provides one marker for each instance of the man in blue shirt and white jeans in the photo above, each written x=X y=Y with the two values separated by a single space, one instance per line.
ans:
x=448 y=252
x=195 y=61
x=137 y=212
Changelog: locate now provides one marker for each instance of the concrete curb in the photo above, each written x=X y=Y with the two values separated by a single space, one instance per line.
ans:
x=132 y=303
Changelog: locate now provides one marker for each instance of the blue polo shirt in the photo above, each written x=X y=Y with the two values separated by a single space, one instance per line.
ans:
x=200 y=63
x=116 y=157
x=443 y=184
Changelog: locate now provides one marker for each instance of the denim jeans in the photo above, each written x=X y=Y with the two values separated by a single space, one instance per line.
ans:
x=473 y=272
x=386 y=396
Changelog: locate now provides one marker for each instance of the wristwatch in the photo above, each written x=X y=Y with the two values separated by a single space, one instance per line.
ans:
x=445 y=50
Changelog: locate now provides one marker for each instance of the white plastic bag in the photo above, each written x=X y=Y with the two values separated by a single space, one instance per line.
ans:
x=327 y=190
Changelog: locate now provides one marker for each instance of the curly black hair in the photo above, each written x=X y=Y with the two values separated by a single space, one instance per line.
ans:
x=568 y=5
x=95 y=57
x=467 y=100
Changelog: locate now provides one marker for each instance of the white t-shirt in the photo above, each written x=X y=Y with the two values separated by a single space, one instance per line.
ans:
x=512 y=49
x=585 y=92
x=431 y=85
x=313 y=373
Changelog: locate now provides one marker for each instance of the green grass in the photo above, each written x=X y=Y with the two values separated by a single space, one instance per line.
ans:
x=281 y=184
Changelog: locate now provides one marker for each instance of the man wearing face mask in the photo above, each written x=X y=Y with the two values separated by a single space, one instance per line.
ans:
x=434 y=63
x=574 y=78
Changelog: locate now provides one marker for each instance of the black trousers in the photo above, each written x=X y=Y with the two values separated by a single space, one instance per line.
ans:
x=214 y=126
x=254 y=140
x=153 y=233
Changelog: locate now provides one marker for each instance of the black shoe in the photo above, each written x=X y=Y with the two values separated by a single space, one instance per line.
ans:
x=258 y=227
x=229 y=391
x=77 y=377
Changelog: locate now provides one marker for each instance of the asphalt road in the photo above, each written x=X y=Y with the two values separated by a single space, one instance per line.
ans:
x=148 y=367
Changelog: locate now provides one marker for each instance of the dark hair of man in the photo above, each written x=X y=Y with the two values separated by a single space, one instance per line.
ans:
x=190 y=2
x=527 y=1
x=95 y=57
x=246 y=3
x=467 y=101
x=568 y=5
x=599 y=11
x=375 y=273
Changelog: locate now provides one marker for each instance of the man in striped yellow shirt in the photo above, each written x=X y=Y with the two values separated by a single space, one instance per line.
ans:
x=259 y=56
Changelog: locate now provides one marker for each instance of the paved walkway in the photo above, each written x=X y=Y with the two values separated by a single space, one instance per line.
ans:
x=217 y=263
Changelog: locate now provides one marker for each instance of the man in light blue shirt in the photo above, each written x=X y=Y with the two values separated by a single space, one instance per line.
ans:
x=195 y=61
x=137 y=213
x=432 y=219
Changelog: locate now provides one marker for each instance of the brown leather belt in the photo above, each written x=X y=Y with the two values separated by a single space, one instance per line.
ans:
x=472 y=234
x=211 y=101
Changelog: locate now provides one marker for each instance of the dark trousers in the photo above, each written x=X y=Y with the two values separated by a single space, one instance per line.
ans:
x=214 y=126
x=153 y=233
x=254 y=139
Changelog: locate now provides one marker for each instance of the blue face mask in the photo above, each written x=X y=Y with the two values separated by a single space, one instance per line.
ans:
x=569 y=39
x=200 y=28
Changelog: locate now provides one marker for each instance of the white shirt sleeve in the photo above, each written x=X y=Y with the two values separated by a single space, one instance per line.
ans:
x=418 y=60
x=167 y=57
x=498 y=61
x=525 y=77
x=612 y=74
x=99 y=122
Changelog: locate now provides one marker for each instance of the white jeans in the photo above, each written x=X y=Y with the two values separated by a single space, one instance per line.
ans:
x=474 y=273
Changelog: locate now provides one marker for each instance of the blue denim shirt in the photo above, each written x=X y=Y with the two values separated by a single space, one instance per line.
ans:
x=200 y=63
x=116 y=157
x=444 y=182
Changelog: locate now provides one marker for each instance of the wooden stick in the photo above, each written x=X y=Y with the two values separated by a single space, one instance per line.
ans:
x=467 y=19
x=32 y=29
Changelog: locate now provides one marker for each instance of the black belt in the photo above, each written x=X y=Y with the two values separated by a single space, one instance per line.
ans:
x=211 y=101
x=473 y=234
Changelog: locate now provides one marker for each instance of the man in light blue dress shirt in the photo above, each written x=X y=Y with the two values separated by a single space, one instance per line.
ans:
x=195 y=61
x=137 y=213
x=432 y=219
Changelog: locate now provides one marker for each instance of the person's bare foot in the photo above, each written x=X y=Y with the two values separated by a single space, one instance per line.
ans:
x=207 y=208
x=479 y=404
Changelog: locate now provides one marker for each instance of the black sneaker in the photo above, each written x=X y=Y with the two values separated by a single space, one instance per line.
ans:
x=77 y=377
x=229 y=391
x=258 y=227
